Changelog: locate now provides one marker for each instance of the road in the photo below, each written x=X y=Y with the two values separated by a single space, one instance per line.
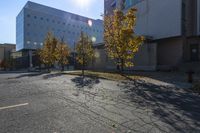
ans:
x=56 y=103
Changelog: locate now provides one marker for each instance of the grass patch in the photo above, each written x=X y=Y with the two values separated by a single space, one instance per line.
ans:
x=106 y=75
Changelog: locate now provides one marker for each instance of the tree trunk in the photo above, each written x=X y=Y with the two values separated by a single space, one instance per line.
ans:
x=48 y=68
x=122 y=65
x=62 y=67
x=83 y=68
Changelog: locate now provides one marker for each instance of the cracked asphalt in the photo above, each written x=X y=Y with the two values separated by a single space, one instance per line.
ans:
x=60 y=103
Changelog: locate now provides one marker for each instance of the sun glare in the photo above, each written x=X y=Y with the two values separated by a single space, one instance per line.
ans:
x=83 y=3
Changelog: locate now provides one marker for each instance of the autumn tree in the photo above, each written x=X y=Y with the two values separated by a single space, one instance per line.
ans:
x=48 y=53
x=62 y=54
x=120 y=40
x=85 y=52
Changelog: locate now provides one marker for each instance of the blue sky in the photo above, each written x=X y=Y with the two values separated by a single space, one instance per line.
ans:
x=10 y=8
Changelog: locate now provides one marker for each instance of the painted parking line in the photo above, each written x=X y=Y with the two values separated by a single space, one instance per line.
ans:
x=14 y=106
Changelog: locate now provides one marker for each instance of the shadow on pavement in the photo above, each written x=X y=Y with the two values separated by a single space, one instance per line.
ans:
x=176 y=107
x=175 y=78
x=53 y=75
x=28 y=75
x=87 y=82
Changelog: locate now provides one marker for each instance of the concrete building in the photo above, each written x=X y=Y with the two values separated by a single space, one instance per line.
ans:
x=35 y=21
x=6 y=50
x=172 y=29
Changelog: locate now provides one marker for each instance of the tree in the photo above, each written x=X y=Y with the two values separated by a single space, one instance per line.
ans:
x=48 y=53
x=120 y=40
x=85 y=52
x=62 y=54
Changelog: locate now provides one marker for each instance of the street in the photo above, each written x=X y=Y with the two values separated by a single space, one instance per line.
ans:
x=60 y=103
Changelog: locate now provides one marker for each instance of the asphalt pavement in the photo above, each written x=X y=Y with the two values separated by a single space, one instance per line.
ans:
x=60 y=103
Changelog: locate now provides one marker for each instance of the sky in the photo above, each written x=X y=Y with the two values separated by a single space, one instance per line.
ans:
x=9 y=9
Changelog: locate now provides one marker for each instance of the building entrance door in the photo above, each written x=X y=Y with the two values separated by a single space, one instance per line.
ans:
x=194 y=52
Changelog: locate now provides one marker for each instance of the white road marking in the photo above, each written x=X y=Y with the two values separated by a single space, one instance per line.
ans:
x=13 y=106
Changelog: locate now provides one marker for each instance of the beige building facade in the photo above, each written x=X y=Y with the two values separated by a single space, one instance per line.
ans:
x=6 y=50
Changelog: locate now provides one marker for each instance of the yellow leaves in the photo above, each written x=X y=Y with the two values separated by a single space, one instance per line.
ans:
x=84 y=49
x=120 y=40
x=62 y=53
x=129 y=64
x=53 y=50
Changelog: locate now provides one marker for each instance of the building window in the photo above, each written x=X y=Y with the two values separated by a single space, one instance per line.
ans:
x=41 y=18
x=35 y=43
x=47 y=20
x=28 y=15
x=63 y=23
x=28 y=24
x=53 y=21
x=35 y=17
x=129 y=3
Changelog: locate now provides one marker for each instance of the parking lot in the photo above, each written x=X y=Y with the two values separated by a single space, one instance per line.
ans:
x=58 y=103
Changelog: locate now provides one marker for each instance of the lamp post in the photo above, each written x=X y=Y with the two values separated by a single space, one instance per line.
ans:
x=74 y=54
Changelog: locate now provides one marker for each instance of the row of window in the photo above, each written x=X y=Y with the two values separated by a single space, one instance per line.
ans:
x=76 y=34
x=59 y=22
x=82 y=28
x=41 y=18
x=35 y=43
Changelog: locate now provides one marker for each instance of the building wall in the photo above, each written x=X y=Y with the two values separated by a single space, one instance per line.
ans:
x=198 y=17
x=109 y=6
x=101 y=59
x=145 y=59
x=187 y=50
x=37 y=20
x=158 y=19
x=20 y=30
x=1 y=53
x=189 y=18
x=6 y=50
x=170 y=52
